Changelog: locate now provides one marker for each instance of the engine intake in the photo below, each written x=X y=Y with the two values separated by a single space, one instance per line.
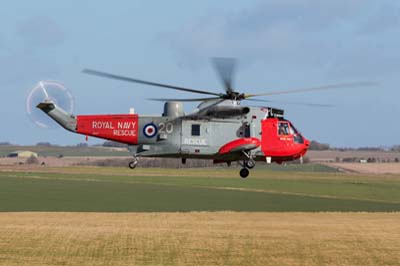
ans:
x=173 y=109
x=228 y=111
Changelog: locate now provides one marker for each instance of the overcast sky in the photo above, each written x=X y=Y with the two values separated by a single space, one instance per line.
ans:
x=280 y=44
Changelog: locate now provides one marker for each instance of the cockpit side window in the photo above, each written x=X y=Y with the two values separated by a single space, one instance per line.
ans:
x=283 y=128
x=297 y=137
x=293 y=129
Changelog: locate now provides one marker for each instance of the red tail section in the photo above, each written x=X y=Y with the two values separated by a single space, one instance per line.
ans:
x=121 y=128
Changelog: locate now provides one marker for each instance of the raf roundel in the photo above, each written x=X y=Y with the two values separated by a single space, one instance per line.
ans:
x=150 y=130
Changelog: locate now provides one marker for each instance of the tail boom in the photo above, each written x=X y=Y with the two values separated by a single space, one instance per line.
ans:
x=120 y=127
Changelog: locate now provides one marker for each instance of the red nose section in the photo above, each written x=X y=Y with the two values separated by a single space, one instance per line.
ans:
x=306 y=142
x=239 y=145
x=306 y=145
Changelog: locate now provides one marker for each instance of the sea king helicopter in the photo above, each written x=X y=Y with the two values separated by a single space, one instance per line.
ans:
x=220 y=128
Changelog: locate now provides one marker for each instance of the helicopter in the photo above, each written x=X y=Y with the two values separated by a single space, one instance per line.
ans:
x=220 y=128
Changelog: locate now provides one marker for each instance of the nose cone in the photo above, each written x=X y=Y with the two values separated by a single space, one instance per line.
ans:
x=306 y=145
x=306 y=142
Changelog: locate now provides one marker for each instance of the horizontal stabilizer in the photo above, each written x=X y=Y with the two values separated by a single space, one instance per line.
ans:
x=46 y=106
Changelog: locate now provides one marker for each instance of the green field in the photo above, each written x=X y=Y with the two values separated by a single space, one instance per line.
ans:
x=95 y=189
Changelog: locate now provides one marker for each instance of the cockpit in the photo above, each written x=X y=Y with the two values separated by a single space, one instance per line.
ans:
x=285 y=128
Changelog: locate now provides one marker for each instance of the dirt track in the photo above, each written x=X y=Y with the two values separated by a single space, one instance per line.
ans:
x=57 y=162
x=368 y=168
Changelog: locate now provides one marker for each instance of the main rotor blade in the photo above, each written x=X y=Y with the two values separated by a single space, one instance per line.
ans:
x=112 y=76
x=295 y=103
x=328 y=87
x=183 y=100
x=225 y=68
x=204 y=110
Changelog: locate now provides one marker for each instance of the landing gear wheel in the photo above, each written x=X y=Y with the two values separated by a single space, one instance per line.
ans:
x=250 y=164
x=244 y=172
x=133 y=164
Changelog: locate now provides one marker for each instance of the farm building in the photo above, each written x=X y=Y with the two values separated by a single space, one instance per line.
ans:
x=22 y=154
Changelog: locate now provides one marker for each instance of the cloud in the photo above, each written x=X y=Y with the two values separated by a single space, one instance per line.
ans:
x=19 y=68
x=313 y=34
x=26 y=56
x=386 y=18
x=41 y=32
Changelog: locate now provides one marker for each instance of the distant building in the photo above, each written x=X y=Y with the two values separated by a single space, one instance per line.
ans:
x=22 y=154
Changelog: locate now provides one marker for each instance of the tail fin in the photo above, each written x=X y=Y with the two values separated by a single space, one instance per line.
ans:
x=64 y=119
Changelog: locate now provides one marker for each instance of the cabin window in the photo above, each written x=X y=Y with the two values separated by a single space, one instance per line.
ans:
x=283 y=128
x=247 y=131
x=195 y=130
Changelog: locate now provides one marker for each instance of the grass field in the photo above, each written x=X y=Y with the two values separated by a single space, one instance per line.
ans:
x=153 y=190
x=116 y=216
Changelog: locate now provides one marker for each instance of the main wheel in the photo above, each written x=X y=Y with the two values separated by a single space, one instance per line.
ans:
x=244 y=172
x=132 y=164
x=250 y=164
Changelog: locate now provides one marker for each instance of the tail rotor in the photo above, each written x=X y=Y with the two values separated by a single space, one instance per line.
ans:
x=48 y=91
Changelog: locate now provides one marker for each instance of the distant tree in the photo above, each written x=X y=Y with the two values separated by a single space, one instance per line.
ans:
x=44 y=144
x=370 y=149
x=350 y=159
x=5 y=143
x=395 y=148
x=82 y=144
x=316 y=146
x=109 y=143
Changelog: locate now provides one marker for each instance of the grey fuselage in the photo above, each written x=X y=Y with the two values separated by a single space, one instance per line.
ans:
x=196 y=137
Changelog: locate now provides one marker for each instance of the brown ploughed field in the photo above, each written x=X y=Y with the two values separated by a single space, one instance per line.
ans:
x=200 y=238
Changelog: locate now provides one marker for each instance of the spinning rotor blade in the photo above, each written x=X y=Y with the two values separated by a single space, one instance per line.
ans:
x=203 y=111
x=112 y=76
x=48 y=91
x=183 y=100
x=225 y=68
x=295 y=103
x=328 y=87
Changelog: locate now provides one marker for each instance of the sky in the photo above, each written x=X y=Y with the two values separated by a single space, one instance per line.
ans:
x=279 y=45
